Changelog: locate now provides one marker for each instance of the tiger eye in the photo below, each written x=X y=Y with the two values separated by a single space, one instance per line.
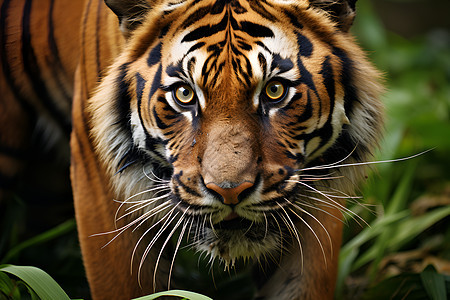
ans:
x=184 y=94
x=275 y=90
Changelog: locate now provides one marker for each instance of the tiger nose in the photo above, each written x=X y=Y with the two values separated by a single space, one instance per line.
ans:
x=230 y=196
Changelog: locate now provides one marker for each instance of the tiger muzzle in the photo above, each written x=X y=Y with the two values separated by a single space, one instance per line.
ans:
x=230 y=163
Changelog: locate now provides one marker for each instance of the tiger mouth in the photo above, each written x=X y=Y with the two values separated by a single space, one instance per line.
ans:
x=237 y=223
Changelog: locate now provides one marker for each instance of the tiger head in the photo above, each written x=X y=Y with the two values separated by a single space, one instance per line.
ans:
x=227 y=119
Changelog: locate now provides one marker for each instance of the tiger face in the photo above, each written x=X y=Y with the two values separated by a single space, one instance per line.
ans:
x=222 y=116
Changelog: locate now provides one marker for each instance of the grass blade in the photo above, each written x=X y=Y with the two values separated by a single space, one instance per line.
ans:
x=41 y=283
x=53 y=233
x=434 y=283
x=178 y=293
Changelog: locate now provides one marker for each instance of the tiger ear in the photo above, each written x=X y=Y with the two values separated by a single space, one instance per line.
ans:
x=130 y=13
x=341 y=11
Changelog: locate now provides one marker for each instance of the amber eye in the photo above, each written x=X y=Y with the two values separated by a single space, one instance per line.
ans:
x=184 y=94
x=275 y=90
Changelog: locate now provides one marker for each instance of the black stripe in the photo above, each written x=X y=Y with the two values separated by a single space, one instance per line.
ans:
x=260 y=9
x=283 y=65
x=84 y=85
x=97 y=37
x=305 y=76
x=197 y=15
x=132 y=156
x=124 y=99
x=328 y=80
x=195 y=47
x=6 y=68
x=255 y=30
x=31 y=68
x=263 y=63
x=56 y=60
x=186 y=188
x=175 y=70
x=218 y=7
x=306 y=115
x=347 y=81
x=151 y=143
x=294 y=19
x=305 y=45
x=156 y=84
x=155 y=56
x=206 y=31
x=243 y=45
x=161 y=125
x=191 y=66
x=140 y=85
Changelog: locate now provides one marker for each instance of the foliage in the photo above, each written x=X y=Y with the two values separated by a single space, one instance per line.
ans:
x=38 y=284
x=410 y=213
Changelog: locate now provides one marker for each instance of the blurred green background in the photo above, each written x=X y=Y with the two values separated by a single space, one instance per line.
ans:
x=404 y=252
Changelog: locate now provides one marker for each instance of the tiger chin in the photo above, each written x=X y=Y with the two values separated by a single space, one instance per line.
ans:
x=239 y=125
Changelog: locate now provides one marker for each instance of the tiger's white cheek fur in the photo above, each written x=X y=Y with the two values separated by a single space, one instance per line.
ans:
x=281 y=43
x=138 y=130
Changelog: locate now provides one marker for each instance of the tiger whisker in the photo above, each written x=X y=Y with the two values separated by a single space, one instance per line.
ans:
x=266 y=225
x=212 y=226
x=154 y=188
x=166 y=217
x=321 y=210
x=156 y=178
x=127 y=201
x=316 y=175
x=180 y=238
x=321 y=178
x=152 y=243
x=332 y=202
x=139 y=206
x=120 y=230
x=169 y=236
x=281 y=234
x=249 y=227
x=337 y=165
x=340 y=207
x=158 y=209
x=155 y=194
x=313 y=232
x=190 y=227
x=293 y=229
x=332 y=165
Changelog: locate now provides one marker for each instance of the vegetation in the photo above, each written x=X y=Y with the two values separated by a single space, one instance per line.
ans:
x=404 y=250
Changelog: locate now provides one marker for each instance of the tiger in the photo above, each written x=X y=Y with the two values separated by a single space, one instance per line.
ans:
x=240 y=126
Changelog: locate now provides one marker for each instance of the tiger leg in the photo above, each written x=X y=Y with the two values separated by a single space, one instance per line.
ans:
x=308 y=268
x=108 y=268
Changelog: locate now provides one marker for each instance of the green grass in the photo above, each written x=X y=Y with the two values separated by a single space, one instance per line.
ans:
x=403 y=251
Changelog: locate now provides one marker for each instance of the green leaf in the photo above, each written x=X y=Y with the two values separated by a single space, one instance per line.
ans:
x=434 y=283
x=399 y=234
x=8 y=287
x=176 y=293
x=41 y=283
x=55 y=232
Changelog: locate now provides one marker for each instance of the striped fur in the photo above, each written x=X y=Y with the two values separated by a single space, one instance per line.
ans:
x=133 y=141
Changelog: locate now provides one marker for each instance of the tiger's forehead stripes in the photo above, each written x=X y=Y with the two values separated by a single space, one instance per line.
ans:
x=225 y=39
